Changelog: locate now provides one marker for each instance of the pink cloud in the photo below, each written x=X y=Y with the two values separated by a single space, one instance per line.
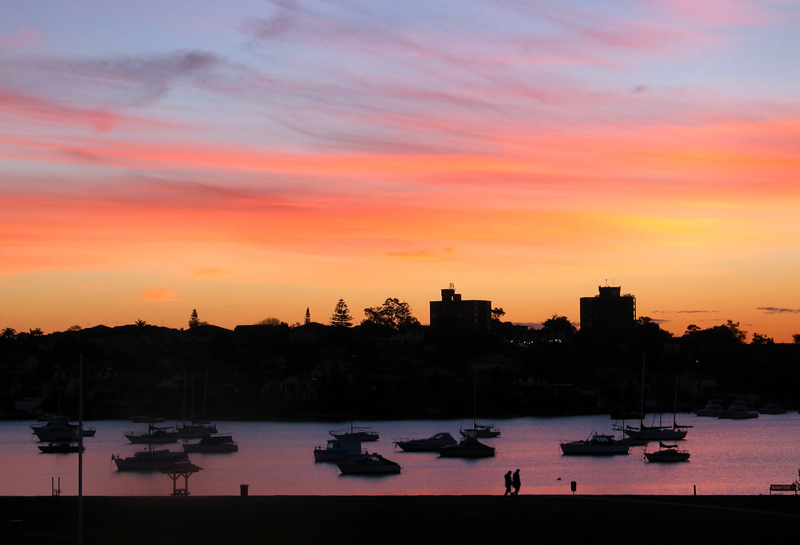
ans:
x=26 y=38
x=18 y=105
x=723 y=12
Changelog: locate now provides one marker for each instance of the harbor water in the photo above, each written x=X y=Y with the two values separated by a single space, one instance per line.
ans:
x=738 y=457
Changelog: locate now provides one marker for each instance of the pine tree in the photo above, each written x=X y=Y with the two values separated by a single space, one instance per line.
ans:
x=341 y=315
x=308 y=317
x=194 y=321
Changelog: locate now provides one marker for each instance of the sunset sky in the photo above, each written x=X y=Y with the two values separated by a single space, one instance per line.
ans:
x=251 y=159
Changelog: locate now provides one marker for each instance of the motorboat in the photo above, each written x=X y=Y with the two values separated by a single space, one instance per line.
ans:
x=371 y=464
x=59 y=429
x=355 y=433
x=213 y=444
x=431 y=444
x=713 y=408
x=667 y=454
x=483 y=431
x=597 y=444
x=61 y=447
x=737 y=410
x=469 y=447
x=56 y=431
x=154 y=435
x=150 y=460
x=772 y=408
x=337 y=450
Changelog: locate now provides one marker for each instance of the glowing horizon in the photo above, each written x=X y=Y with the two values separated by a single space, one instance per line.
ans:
x=261 y=158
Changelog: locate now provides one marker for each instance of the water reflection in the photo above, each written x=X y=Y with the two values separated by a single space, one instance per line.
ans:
x=276 y=458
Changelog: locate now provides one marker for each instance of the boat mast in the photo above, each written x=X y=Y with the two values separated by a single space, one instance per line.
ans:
x=641 y=407
x=675 y=405
x=205 y=395
x=475 y=400
x=184 y=397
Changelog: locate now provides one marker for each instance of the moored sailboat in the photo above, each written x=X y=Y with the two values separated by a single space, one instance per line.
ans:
x=483 y=431
x=154 y=434
x=657 y=433
x=667 y=454
x=356 y=433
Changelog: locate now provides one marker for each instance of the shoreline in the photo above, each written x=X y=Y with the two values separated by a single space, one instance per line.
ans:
x=402 y=520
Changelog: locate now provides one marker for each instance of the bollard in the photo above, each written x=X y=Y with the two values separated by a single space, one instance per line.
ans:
x=243 y=490
x=573 y=486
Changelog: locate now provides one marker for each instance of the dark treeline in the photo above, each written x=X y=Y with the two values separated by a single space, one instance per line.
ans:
x=375 y=371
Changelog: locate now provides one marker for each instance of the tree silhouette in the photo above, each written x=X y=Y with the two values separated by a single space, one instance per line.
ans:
x=271 y=321
x=341 y=315
x=558 y=327
x=737 y=333
x=758 y=338
x=194 y=321
x=393 y=314
x=307 y=319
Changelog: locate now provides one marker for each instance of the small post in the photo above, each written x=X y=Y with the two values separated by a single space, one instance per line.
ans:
x=243 y=490
x=573 y=486
x=695 y=490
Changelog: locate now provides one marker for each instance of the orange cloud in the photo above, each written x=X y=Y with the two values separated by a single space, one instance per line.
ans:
x=160 y=294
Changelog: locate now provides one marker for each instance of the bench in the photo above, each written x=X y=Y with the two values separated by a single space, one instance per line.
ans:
x=783 y=488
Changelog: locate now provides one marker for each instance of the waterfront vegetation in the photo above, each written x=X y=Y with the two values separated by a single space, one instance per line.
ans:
x=385 y=369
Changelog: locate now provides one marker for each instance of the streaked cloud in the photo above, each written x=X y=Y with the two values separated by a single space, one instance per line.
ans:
x=685 y=311
x=295 y=147
x=778 y=310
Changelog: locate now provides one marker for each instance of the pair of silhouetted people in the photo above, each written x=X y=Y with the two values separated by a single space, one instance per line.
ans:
x=512 y=481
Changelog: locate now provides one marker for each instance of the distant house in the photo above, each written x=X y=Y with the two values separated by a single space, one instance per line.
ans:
x=609 y=312
x=452 y=312
x=290 y=389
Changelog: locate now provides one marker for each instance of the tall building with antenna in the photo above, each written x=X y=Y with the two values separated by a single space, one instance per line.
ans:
x=452 y=312
x=609 y=312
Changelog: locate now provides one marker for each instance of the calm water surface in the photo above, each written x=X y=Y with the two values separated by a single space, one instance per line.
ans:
x=276 y=458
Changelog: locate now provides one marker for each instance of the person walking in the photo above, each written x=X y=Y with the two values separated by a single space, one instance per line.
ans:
x=508 y=484
x=516 y=483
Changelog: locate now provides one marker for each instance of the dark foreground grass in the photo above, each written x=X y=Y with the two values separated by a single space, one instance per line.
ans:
x=402 y=520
